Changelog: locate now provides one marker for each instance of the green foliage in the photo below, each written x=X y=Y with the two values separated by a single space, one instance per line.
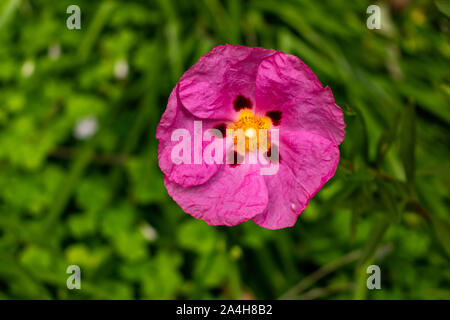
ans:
x=100 y=203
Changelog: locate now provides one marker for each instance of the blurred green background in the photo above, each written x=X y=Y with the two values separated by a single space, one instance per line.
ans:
x=69 y=196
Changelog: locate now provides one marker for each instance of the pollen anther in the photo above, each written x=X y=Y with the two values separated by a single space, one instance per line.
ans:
x=250 y=132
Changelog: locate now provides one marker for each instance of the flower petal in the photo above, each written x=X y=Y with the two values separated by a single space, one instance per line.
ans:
x=176 y=117
x=209 y=88
x=284 y=83
x=307 y=162
x=234 y=195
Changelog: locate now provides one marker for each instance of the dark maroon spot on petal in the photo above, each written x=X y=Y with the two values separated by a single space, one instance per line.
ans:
x=273 y=154
x=242 y=102
x=275 y=116
x=222 y=128
x=235 y=159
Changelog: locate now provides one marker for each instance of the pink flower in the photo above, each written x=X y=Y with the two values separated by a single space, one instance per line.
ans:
x=236 y=87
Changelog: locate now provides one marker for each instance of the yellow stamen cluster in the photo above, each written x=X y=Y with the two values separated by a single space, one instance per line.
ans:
x=246 y=132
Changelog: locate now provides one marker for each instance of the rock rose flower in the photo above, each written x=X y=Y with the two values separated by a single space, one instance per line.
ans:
x=250 y=89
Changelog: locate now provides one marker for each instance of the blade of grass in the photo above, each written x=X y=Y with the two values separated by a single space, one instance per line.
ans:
x=8 y=12
x=329 y=268
x=68 y=185
x=407 y=142
x=95 y=28
x=319 y=274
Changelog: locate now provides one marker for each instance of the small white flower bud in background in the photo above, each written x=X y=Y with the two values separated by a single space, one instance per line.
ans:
x=54 y=52
x=86 y=127
x=148 y=232
x=121 y=69
x=27 y=69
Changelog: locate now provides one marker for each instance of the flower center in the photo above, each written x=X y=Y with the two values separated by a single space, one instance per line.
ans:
x=250 y=132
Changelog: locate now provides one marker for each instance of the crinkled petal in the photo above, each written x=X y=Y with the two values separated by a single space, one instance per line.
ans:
x=307 y=162
x=284 y=83
x=209 y=88
x=234 y=195
x=165 y=124
x=176 y=117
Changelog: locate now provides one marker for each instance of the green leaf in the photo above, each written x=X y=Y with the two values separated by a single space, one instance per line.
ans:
x=386 y=141
x=196 y=235
x=83 y=224
x=8 y=10
x=93 y=194
x=131 y=245
x=442 y=231
x=443 y=6
x=163 y=279
x=213 y=271
x=95 y=28
x=389 y=200
x=407 y=141
x=90 y=258
x=117 y=220
x=147 y=180
x=374 y=240
x=67 y=187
